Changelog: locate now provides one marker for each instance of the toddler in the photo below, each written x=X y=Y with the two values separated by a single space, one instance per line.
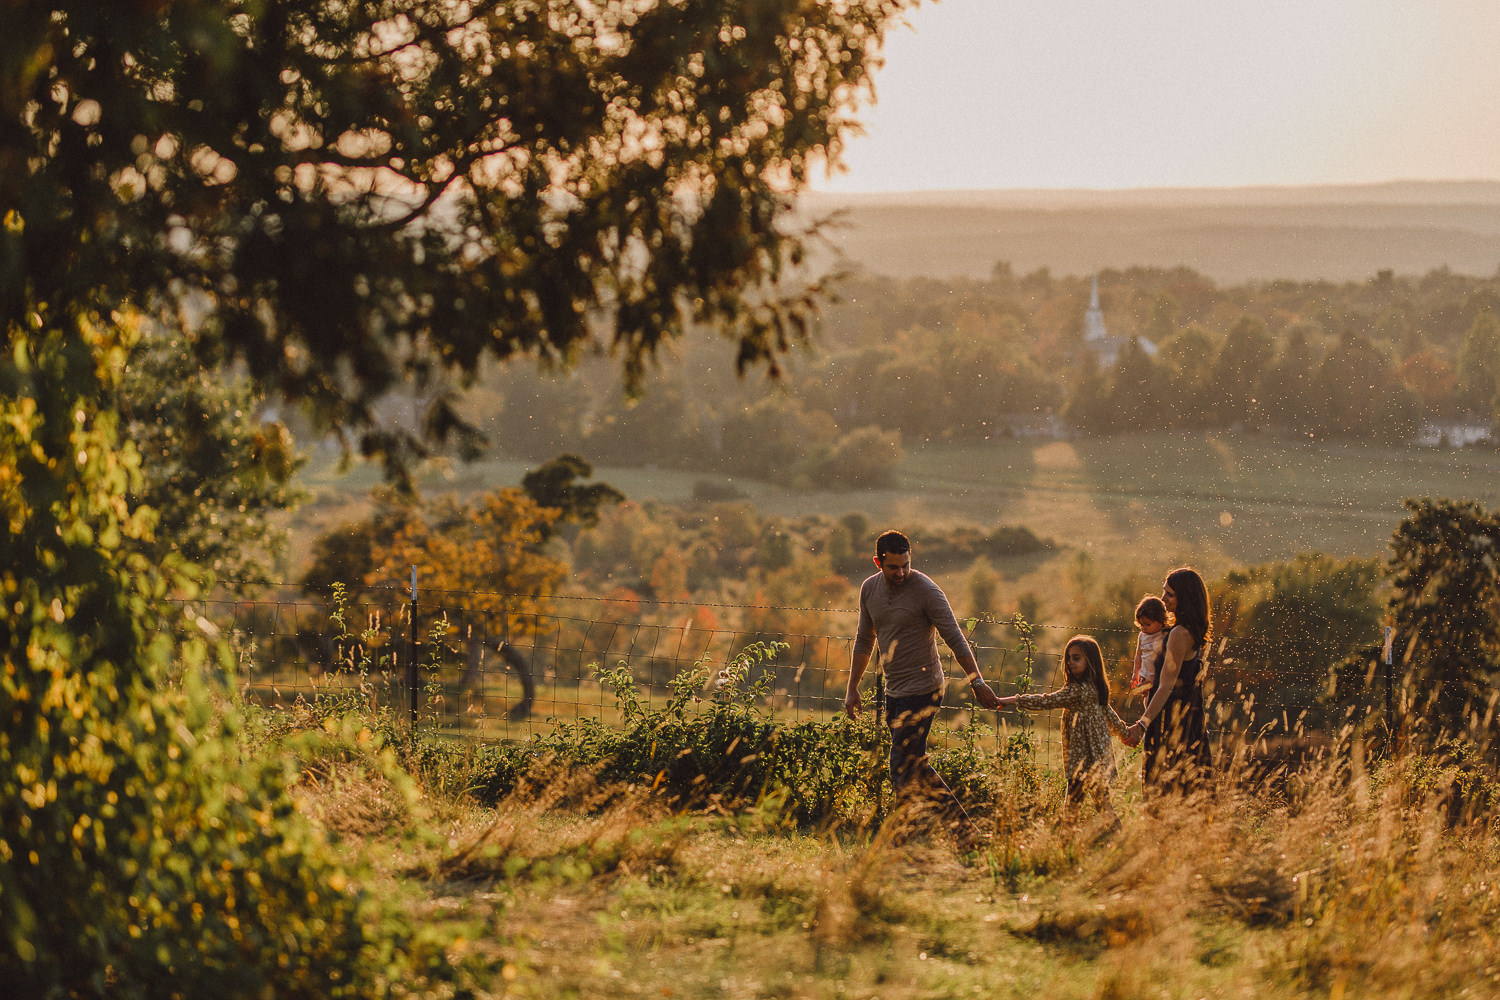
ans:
x=1151 y=618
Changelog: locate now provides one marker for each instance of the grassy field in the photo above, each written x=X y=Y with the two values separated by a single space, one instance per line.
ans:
x=1216 y=501
x=1345 y=884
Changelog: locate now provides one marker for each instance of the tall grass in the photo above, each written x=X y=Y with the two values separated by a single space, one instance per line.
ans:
x=702 y=851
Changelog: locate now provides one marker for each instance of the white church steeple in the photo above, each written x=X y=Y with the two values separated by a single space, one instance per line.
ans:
x=1093 y=320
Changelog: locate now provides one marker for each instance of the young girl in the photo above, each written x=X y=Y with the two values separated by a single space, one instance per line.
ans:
x=1088 y=719
x=1151 y=619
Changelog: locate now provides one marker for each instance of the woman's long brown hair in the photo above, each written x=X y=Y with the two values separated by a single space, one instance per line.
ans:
x=1192 y=611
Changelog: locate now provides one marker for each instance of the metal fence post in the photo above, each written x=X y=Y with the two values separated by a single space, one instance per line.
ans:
x=1390 y=720
x=411 y=655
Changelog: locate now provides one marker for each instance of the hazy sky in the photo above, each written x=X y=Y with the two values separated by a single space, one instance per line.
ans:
x=1147 y=93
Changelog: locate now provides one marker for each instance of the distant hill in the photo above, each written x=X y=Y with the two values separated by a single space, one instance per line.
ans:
x=1229 y=234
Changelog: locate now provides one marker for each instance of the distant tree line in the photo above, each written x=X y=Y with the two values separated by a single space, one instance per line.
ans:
x=903 y=362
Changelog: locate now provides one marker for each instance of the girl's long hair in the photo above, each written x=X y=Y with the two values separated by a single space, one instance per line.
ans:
x=1192 y=604
x=1095 y=659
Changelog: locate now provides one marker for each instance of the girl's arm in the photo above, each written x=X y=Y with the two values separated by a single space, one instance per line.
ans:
x=1115 y=723
x=1068 y=696
x=1179 y=644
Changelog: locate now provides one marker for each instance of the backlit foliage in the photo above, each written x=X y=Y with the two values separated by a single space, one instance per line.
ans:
x=341 y=200
x=357 y=195
x=484 y=553
x=1445 y=610
x=136 y=848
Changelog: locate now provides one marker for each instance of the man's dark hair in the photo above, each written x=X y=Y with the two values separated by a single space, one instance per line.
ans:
x=891 y=541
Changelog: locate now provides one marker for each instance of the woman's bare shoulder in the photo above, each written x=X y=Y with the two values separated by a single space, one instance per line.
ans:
x=1180 y=638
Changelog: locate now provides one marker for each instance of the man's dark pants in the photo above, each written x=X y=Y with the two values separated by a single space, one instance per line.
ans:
x=910 y=719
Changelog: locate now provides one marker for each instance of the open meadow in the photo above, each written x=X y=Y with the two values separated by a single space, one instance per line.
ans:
x=1349 y=878
x=1345 y=881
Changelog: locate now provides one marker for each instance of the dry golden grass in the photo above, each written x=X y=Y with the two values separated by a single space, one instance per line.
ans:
x=349 y=800
x=1350 y=881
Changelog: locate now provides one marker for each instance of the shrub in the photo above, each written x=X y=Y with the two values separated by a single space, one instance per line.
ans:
x=140 y=855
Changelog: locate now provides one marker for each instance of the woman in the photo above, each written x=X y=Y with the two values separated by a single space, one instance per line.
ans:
x=1173 y=726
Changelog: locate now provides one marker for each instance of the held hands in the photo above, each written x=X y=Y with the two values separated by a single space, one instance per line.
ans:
x=982 y=694
x=1133 y=735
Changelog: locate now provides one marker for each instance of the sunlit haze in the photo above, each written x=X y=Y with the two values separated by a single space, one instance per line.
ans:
x=981 y=94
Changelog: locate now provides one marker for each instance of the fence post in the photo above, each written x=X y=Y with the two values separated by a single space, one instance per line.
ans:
x=411 y=655
x=1390 y=721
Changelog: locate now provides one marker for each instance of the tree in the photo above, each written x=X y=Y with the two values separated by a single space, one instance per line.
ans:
x=483 y=556
x=553 y=485
x=1137 y=390
x=1479 y=366
x=1243 y=359
x=213 y=472
x=906 y=392
x=1160 y=323
x=1434 y=379
x=136 y=847
x=770 y=438
x=341 y=200
x=1446 y=612
x=1288 y=390
x=1088 y=407
x=1394 y=329
x=863 y=459
x=662 y=427
x=1187 y=362
x=539 y=414
x=1292 y=622
x=357 y=196
x=346 y=555
x=982 y=603
x=1359 y=396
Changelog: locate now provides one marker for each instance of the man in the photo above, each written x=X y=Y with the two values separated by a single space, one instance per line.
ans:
x=905 y=611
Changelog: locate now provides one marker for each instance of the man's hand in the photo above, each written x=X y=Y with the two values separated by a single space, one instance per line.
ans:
x=852 y=703
x=986 y=697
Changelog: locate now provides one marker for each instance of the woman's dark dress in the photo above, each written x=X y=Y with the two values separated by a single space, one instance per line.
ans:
x=1177 y=754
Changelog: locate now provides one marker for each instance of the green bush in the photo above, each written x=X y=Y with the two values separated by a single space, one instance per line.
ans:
x=140 y=854
x=726 y=751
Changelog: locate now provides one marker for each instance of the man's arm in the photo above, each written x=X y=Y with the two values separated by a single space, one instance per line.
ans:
x=857 y=664
x=946 y=622
x=864 y=643
x=982 y=691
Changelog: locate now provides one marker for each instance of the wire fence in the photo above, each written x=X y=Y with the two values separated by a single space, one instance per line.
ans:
x=511 y=667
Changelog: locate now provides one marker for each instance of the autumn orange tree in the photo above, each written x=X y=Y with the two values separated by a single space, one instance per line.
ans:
x=483 y=556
